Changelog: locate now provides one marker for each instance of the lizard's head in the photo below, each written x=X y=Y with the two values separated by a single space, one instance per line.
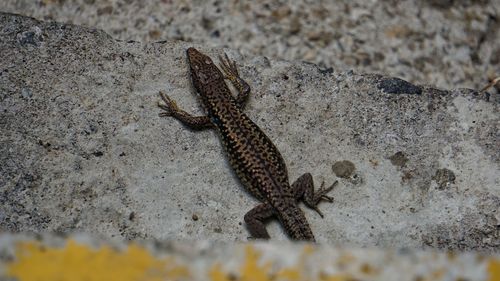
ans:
x=203 y=69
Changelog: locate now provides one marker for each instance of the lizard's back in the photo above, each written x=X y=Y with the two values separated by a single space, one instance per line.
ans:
x=252 y=155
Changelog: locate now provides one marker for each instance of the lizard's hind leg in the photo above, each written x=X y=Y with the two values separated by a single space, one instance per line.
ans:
x=255 y=220
x=303 y=188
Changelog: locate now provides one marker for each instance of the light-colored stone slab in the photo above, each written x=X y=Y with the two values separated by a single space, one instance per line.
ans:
x=83 y=149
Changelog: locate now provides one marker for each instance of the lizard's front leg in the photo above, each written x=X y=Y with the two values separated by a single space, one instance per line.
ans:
x=303 y=188
x=231 y=72
x=170 y=108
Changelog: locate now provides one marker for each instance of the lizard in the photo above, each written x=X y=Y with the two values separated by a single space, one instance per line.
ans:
x=254 y=158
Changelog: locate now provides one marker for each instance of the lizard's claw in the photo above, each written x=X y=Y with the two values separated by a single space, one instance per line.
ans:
x=318 y=211
x=321 y=193
x=228 y=67
x=169 y=106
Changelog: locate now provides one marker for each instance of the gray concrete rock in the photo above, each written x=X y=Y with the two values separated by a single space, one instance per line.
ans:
x=442 y=42
x=83 y=149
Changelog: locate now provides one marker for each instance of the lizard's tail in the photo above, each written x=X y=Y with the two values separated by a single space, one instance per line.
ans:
x=295 y=222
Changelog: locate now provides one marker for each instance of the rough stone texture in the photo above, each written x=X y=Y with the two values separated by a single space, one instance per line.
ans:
x=448 y=43
x=82 y=147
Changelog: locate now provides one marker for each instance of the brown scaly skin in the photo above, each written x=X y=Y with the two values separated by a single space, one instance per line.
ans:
x=252 y=155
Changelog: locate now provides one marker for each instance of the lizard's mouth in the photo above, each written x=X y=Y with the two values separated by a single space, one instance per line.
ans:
x=195 y=59
x=194 y=56
x=192 y=52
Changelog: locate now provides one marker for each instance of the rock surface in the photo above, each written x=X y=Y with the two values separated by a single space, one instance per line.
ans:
x=446 y=43
x=83 y=149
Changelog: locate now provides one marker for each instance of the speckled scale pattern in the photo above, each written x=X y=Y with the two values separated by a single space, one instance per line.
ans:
x=253 y=156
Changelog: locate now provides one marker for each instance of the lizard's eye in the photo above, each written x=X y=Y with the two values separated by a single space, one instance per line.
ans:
x=208 y=61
